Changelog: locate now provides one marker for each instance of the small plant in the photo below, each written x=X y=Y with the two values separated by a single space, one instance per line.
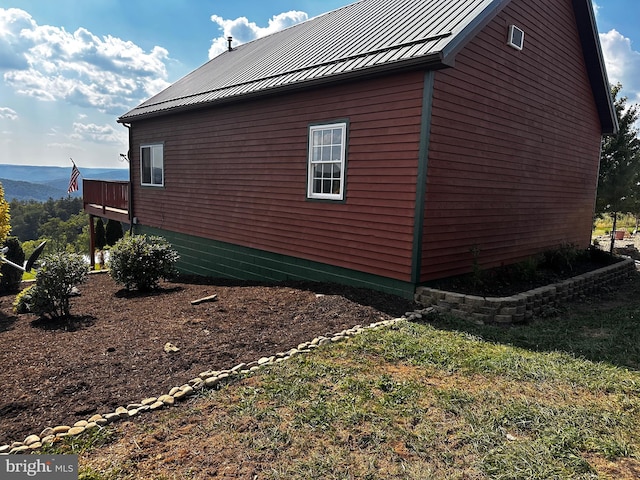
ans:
x=22 y=303
x=10 y=277
x=138 y=261
x=528 y=269
x=562 y=258
x=58 y=274
x=477 y=273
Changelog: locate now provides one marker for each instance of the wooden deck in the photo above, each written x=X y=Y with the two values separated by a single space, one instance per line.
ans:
x=106 y=199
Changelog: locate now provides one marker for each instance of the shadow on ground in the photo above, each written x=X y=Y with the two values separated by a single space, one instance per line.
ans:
x=602 y=327
x=7 y=322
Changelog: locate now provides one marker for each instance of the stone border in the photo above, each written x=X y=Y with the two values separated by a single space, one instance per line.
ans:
x=524 y=306
x=208 y=379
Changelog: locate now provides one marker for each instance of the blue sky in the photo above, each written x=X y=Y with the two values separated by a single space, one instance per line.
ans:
x=69 y=68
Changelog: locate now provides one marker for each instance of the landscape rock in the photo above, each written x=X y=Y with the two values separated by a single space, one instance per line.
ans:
x=76 y=430
x=111 y=417
x=170 y=348
x=31 y=439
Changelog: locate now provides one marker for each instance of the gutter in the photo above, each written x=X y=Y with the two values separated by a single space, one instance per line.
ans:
x=430 y=62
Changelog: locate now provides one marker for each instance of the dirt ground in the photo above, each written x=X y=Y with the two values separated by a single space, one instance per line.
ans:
x=111 y=353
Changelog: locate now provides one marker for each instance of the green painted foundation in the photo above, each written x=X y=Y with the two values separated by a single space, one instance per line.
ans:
x=210 y=258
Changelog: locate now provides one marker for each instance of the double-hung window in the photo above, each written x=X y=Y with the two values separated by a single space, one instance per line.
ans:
x=327 y=161
x=152 y=165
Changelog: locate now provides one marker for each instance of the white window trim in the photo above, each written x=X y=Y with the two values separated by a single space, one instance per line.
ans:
x=152 y=147
x=343 y=162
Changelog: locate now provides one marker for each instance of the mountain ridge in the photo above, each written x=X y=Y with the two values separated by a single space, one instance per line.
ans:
x=39 y=183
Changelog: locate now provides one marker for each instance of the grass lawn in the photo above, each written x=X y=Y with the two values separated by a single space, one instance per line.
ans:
x=556 y=399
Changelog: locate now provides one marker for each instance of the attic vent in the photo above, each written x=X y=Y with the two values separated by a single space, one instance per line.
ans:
x=516 y=37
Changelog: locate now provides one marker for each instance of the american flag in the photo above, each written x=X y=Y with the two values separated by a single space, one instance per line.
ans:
x=73 y=181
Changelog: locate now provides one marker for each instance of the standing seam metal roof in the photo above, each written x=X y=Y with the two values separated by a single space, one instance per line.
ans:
x=369 y=34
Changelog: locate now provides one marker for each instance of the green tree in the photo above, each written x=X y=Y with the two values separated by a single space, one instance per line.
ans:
x=100 y=240
x=63 y=235
x=5 y=218
x=28 y=216
x=619 y=174
x=113 y=232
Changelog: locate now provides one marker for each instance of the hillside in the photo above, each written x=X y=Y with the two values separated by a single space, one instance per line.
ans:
x=39 y=183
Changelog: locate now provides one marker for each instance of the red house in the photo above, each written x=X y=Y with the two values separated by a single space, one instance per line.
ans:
x=383 y=144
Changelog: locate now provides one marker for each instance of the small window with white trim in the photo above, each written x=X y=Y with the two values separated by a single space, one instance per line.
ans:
x=152 y=165
x=327 y=161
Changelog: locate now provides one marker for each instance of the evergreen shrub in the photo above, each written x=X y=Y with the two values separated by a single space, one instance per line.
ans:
x=11 y=277
x=55 y=279
x=140 y=261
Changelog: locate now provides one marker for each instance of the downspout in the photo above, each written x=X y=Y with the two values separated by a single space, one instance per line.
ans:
x=421 y=180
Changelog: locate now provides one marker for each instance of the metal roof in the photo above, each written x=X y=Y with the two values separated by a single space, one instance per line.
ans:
x=362 y=37
x=359 y=39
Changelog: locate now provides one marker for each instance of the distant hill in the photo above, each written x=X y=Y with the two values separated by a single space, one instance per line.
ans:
x=39 y=183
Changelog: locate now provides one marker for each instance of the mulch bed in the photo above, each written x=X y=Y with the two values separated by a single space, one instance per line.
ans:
x=111 y=352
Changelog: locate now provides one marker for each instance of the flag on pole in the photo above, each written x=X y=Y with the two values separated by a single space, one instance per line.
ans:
x=73 y=181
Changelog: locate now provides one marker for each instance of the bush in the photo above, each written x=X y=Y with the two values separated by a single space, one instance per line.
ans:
x=138 y=261
x=10 y=276
x=58 y=274
x=23 y=301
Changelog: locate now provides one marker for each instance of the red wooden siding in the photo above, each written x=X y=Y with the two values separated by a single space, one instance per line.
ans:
x=238 y=174
x=514 y=145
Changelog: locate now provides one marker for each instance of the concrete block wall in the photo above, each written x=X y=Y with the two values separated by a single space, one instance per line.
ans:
x=523 y=306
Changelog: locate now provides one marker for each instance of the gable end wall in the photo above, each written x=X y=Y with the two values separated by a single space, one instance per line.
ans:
x=514 y=147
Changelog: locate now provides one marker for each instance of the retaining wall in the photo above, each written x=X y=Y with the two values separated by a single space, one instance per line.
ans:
x=524 y=306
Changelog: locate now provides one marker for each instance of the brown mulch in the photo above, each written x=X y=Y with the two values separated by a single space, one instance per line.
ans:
x=111 y=352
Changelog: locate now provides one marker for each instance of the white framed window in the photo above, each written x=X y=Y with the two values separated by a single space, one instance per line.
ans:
x=327 y=161
x=152 y=165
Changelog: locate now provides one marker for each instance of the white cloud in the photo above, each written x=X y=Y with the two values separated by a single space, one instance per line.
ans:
x=12 y=45
x=8 y=113
x=623 y=63
x=64 y=146
x=91 y=132
x=49 y=63
x=242 y=30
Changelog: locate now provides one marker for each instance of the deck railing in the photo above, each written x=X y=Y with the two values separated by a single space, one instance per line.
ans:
x=106 y=198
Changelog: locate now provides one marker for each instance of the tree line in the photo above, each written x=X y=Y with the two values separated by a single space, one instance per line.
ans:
x=63 y=223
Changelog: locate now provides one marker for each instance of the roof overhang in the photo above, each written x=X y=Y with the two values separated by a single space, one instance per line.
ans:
x=431 y=62
x=594 y=60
